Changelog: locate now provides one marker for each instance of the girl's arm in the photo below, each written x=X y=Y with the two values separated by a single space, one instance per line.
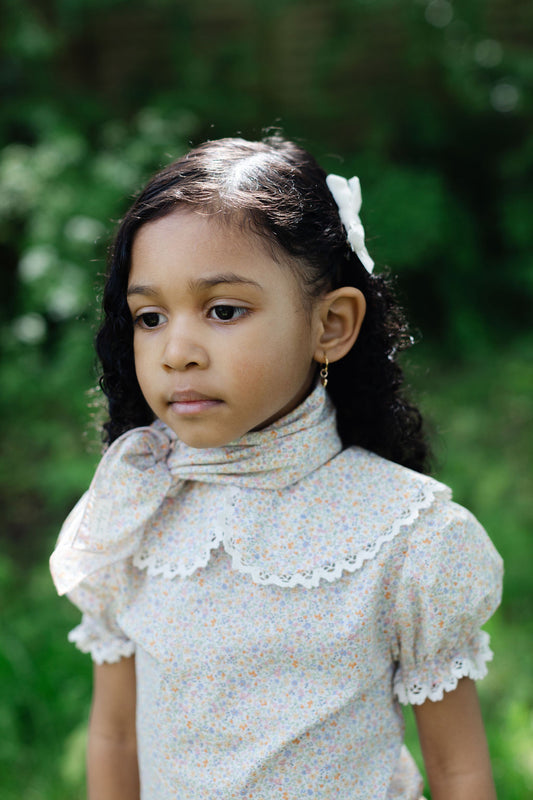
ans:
x=112 y=769
x=454 y=746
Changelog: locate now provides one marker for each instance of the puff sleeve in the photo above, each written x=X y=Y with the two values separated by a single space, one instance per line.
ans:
x=99 y=632
x=449 y=583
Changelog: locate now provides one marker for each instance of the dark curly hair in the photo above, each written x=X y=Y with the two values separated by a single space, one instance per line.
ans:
x=275 y=189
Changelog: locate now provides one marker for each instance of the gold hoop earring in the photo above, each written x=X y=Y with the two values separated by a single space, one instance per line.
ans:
x=324 y=372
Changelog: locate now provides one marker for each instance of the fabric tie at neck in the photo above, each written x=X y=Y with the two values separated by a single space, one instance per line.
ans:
x=273 y=458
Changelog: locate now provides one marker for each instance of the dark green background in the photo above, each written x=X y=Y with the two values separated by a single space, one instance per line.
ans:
x=430 y=103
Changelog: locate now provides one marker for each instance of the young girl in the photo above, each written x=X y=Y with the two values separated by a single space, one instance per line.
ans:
x=264 y=571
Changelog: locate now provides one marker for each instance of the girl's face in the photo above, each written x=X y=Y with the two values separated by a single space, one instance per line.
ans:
x=223 y=344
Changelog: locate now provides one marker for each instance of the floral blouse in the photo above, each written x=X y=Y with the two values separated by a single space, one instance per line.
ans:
x=282 y=597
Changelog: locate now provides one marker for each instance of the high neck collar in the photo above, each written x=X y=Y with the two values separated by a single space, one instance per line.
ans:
x=272 y=458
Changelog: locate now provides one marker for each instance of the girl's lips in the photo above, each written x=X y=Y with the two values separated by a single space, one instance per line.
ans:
x=193 y=406
x=191 y=402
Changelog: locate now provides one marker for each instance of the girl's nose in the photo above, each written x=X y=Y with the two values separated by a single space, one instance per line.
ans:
x=182 y=351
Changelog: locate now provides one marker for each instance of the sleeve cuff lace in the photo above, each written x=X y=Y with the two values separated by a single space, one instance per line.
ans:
x=102 y=645
x=430 y=680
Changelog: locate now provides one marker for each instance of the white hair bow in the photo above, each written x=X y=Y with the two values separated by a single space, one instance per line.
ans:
x=347 y=195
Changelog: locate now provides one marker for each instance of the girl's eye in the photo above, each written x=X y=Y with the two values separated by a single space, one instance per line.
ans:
x=150 y=319
x=226 y=313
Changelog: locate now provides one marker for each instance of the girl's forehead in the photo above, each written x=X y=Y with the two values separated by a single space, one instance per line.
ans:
x=190 y=226
x=189 y=243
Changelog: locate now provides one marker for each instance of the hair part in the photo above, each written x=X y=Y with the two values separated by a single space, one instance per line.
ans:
x=275 y=190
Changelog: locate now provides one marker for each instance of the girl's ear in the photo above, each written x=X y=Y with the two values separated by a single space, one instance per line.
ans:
x=341 y=316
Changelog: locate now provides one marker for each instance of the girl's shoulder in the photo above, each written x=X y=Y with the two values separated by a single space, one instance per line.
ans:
x=384 y=496
x=389 y=495
x=375 y=474
x=417 y=513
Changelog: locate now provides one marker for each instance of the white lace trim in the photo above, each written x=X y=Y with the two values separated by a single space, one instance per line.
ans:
x=109 y=650
x=156 y=564
x=473 y=666
x=330 y=570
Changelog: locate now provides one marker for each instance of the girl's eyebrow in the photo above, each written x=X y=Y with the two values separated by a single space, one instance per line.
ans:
x=215 y=280
x=139 y=288
x=198 y=284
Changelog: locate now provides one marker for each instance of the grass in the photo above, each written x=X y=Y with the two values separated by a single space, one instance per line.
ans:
x=484 y=447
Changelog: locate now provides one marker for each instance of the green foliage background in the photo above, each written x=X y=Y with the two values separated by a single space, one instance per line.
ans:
x=430 y=103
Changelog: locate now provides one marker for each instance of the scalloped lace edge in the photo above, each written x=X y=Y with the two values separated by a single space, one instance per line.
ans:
x=474 y=667
x=153 y=564
x=328 y=571
x=109 y=651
